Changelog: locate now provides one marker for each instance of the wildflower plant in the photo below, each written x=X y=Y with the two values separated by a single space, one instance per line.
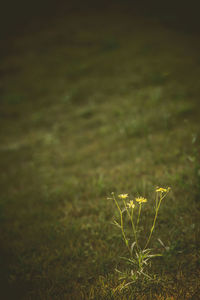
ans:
x=139 y=257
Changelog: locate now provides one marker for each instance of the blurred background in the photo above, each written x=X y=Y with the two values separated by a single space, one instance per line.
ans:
x=97 y=97
x=16 y=15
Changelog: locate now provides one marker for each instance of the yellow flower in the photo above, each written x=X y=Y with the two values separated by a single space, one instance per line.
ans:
x=131 y=204
x=141 y=200
x=162 y=190
x=123 y=196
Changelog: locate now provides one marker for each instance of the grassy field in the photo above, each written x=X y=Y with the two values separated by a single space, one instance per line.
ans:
x=95 y=103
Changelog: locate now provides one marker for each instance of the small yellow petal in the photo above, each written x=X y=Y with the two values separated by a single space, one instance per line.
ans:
x=162 y=190
x=131 y=204
x=123 y=196
x=141 y=200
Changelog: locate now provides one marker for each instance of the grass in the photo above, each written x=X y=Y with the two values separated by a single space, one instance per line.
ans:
x=99 y=112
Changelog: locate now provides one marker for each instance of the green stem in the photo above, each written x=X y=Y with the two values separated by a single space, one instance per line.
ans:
x=132 y=223
x=134 y=230
x=156 y=214
x=122 y=224
x=138 y=218
x=156 y=200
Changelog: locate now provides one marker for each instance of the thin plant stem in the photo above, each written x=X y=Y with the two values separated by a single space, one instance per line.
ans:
x=154 y=221
x=132 y=223
x=156 y=200
x=138 y=218
x=122 y=224
x=134 y=230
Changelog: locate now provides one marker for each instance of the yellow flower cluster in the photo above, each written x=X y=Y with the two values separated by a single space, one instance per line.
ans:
x=131 y=204
x=141 y=200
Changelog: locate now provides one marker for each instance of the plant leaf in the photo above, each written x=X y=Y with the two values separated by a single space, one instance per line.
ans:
x=116 y=224
x=131 y=261
x=132 y=246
